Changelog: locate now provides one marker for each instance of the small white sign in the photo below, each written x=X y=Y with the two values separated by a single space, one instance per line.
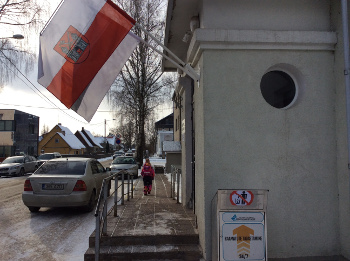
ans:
x=242 y=236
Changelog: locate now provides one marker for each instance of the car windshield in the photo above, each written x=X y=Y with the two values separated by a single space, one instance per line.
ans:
x=13 y=160
x=62 y=168
x=123 y=160
x=46 y=156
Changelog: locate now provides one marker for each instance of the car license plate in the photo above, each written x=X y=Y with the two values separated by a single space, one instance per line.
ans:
x=52 y=186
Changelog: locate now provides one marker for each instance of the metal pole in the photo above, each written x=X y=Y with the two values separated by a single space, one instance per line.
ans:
x=104 y=228
x=122 y=188
x=171 y=181
x=132 y=186
x=128 y=187
x=115 y=196
x=178 y=186
x=345 y=19
x=97 y=237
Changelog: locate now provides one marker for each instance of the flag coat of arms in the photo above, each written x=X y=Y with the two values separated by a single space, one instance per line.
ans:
x=82 y=50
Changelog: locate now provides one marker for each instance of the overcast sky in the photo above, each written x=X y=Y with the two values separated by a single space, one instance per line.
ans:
x=22 y=95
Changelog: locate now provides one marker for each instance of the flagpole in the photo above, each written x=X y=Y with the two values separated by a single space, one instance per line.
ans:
x=180 y=65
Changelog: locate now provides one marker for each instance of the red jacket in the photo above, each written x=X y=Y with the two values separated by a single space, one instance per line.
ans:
x=147 y=170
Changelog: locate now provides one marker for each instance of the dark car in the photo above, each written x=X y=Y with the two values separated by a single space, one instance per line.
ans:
x=47 y=156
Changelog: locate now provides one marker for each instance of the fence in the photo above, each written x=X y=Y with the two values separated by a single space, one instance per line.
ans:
x=101 y=207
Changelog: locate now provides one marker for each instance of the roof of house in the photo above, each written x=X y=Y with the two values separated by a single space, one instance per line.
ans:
x=85 y=139
x=94 y=140
x=111 y=140
x=71 y=140
x=171 y=146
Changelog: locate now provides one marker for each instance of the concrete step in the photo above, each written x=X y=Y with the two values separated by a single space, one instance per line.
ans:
x=146 y=252
x=157 y=240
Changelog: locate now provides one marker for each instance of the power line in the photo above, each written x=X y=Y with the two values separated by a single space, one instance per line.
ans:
x=34 y=86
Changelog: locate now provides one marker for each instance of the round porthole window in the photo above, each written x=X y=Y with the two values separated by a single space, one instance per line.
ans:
x=278 y=89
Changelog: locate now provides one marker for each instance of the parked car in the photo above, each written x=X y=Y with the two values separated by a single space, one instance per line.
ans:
x=118 y=154
x=18 y=165
x=65 y=182
x=129 y=153
x=125 y=163
x=47 y=156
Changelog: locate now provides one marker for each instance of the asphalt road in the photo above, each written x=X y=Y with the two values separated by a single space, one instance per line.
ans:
x=51 y=234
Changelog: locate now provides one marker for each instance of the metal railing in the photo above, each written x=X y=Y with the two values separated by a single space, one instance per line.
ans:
x=101 y=207
x=175 y=182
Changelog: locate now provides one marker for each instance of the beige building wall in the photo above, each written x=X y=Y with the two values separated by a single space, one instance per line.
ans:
x=8 y=115
x=6 y=137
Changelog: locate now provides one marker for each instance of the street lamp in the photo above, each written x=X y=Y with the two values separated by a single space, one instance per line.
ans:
x=105 y=128
x=15 y=36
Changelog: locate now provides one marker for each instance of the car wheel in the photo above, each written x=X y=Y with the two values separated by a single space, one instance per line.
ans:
x=21 y=172
x=34 y=209
x=91 y=205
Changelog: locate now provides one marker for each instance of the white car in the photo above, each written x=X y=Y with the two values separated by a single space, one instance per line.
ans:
x=18 y=165
x=64 y=182
x=125 y=163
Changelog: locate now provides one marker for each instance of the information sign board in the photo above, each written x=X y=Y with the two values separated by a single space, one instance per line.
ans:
x=242 y=236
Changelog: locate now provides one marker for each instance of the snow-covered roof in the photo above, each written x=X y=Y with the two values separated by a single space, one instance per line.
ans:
x=85 y=139
x=171 y=146
x=72 y=140
x=93 y=138
x=65 y=129
x=111 y=140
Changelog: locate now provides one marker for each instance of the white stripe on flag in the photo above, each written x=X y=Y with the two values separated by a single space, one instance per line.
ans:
x=90 y=99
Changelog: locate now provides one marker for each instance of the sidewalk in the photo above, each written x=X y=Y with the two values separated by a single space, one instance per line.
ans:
x=154 y=214
x=150 y=227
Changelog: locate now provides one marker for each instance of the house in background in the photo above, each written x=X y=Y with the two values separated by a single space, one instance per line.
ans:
x=61 y=139
x=19 y=132
x=97 y=147
x=83 y=139
x=164 y=128
x=111 y=139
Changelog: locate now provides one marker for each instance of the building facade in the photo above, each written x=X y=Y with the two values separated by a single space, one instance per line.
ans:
x=269 y=112
x=19 y=132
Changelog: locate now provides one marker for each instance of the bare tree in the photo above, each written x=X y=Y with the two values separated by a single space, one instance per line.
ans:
x=20 y=16
x=141 y=86
x=44 y=130
x=127 y=132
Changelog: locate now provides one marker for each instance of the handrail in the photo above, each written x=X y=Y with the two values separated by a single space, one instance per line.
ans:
x=101 y=219
x=175 y=179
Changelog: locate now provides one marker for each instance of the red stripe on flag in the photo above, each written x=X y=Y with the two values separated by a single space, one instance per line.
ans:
x=106 y=32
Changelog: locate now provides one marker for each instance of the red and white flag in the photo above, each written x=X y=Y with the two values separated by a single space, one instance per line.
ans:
x=82 y=50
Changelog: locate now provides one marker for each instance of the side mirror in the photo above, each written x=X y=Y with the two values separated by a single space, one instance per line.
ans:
x=108 y=169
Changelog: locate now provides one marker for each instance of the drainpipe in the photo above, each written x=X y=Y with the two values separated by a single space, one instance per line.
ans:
x=344 y=7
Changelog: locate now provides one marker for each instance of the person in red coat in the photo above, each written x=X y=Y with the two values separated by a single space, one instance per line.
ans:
x=147 y=173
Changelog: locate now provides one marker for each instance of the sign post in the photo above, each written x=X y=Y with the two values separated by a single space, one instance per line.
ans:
x=239 y=225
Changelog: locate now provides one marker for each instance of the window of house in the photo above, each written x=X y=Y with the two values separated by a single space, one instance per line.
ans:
x=31 y=128
x=278 y=89
x=7 y=125
x=57 y=140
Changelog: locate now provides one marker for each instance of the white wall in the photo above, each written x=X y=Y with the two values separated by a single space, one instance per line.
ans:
x=342 y=150
x=292 y=153
x=299 y=154
x=308 y=15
